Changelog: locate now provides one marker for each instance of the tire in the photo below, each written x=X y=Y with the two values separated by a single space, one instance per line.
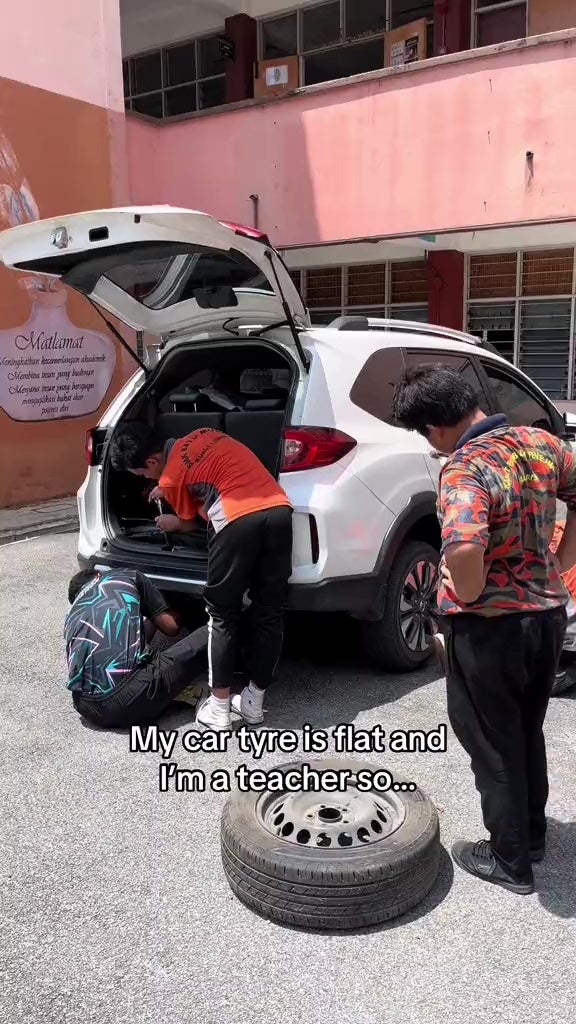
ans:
x=383 y=641
x=334 y=889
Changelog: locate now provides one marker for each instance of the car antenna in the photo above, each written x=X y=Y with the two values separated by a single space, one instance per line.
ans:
x=117 y=335
x=288 y=315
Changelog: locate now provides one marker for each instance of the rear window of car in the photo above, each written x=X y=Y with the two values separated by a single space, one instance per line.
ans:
x=373 y=389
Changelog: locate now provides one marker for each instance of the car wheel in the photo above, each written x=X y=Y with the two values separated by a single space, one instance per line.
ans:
x=402 y=639
x=330 y=861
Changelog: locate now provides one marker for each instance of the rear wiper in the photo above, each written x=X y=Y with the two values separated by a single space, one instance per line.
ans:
x=289 y=318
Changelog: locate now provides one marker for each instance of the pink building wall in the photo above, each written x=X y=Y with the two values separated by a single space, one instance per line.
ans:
x=432 y=149
x=71 y=47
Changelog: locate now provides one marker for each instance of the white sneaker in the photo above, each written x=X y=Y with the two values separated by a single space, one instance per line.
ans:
x=213 y=717
x=248 y=707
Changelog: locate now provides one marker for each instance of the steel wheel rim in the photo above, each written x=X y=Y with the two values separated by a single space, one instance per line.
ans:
x=335 y=821
x=417 y=610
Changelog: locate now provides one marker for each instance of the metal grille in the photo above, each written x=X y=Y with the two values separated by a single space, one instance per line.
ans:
x=548 y=272
x=545 y=344
x=367 y=285
x=493 y=276
x=324 y=287
x=409 y=282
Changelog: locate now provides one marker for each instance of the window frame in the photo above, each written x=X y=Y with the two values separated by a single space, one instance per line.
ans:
x=496 y=5
x=517 y=378
x=343 y=42
x=164 y=88
x=385 y=309
x=518 y=299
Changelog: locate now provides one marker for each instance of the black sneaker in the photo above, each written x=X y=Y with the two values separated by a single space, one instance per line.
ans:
x=477 y=859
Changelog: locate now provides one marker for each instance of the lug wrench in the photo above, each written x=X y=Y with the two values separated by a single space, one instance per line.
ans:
x=167 y=542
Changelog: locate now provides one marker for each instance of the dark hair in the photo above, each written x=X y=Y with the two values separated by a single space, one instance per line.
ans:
x=132 y=445
x=79 y=581
x=432 y=396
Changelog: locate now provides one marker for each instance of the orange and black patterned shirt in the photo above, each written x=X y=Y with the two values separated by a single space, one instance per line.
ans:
x=499 y=490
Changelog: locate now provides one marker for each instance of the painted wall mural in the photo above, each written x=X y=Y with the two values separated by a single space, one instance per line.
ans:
x=59 y=367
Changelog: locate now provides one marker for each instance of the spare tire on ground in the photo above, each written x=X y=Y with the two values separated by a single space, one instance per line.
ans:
x=331 y=861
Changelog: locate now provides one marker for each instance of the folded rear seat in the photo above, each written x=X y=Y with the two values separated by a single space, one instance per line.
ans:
x=178 y=424
x=261 y=432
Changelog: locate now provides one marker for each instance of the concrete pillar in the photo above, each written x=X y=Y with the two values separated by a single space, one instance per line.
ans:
x=243 y=31
x=452 y=26
x=446 y=289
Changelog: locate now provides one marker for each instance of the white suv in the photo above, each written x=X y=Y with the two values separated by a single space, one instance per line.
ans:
x=237 y=352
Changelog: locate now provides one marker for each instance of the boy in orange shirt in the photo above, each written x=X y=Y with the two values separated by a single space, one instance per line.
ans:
x=249 y=520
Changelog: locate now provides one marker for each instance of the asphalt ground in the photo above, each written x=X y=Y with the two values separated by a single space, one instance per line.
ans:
x=114 y=905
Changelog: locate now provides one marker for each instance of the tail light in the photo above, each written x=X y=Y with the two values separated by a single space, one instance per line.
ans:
x=313 y=447
x=89 y=446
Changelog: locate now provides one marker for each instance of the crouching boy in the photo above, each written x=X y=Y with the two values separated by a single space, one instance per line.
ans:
x=117 y=680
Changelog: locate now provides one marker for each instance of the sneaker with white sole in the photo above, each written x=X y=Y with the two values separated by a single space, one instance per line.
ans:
x=249 y=708
x=212 y=717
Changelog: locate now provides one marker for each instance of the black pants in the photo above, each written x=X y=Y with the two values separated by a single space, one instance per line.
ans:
x=148 y=691
x=253 y=554
x=500 y=674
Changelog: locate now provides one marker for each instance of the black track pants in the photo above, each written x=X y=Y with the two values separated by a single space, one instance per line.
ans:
x=252 y=554
x=500 y=674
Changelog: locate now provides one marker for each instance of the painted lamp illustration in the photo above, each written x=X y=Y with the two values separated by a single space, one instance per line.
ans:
x=49 y=367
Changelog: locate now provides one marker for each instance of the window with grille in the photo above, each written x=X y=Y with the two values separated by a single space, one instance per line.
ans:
x=523 y=305
x=176 y=79
x=395 y=290
x=498 y=21
x=339 y=38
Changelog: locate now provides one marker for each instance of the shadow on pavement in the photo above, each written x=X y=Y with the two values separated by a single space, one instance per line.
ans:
x=555 y=875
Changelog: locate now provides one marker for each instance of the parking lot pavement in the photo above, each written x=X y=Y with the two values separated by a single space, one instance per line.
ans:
x=114 y=906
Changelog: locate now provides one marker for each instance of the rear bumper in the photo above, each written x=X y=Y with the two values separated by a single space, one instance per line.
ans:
x=359 y=596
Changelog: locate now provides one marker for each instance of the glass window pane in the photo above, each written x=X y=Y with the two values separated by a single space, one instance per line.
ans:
x=324 y=288
x=409 y=281
x=365 y=17
x=545 y=344
x=163 y=280
x=548 y=272
x=211 y=62
x=494 y=324
x=461 y=364
x=126 y=76
x=280 y=37
x=146 y=73
x=494 y=276
x=373 y=388
x=518 y=405
x=501 y=26
x=330 y=65
x=322 y=319
x=212 y=92
x=321 y=26
x=367 y=285
x=180 y=101
x=418 y=314
x=180 y=64
x=151 y=104
x=405 y=11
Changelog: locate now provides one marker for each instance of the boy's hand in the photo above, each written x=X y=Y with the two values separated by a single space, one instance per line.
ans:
x=168 y=523
x=155 y=494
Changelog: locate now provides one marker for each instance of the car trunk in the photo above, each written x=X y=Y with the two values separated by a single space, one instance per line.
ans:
x=241 y=388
